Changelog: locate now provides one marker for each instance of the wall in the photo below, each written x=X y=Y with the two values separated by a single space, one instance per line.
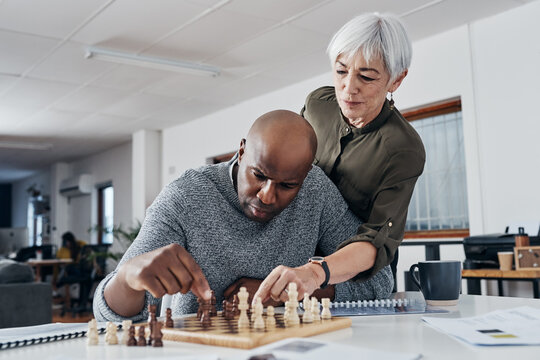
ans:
x=506 y=72
x=112 y=165
x=188 y=145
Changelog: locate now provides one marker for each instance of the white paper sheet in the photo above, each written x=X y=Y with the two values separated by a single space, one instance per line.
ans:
x=517 y=326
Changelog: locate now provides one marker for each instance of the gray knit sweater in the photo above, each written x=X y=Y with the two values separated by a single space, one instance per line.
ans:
x=201 y=212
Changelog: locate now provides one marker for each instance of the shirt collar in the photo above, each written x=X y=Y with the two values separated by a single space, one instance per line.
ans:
x=376 y=123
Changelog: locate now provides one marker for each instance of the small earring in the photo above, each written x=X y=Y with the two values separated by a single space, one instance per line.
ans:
x=391 y=102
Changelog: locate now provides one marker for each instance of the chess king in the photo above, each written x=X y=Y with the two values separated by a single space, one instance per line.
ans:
x=229 y=225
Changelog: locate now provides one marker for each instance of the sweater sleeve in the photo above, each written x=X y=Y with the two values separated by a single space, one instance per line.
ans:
x=160 y=228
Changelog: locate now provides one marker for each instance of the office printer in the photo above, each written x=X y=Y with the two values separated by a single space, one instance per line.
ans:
x=481 y=251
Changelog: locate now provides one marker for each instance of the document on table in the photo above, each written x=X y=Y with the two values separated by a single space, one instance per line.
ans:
x=517 y=326
x=300 y=348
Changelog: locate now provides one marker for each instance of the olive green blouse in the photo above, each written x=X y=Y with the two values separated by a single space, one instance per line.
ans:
x=375 y=168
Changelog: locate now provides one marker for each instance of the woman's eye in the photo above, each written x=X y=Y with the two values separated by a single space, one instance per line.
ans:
x=259 y=176
x=366 y=78
x=341 y=72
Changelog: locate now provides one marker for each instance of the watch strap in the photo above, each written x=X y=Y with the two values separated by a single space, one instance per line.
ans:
x=322 y=262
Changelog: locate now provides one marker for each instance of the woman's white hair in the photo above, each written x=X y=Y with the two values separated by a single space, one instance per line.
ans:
x=374 y=34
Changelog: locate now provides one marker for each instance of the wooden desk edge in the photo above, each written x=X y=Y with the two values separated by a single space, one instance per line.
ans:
x=496 y=273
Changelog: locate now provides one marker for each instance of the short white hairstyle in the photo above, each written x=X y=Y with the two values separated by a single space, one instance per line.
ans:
x=374 y=34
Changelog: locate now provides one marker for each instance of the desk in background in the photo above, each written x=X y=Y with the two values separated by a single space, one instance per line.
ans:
x=55 y=263
x=474 y=276
x=397 y=333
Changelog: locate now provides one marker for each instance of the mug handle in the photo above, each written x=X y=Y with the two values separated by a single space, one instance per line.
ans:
x=413 y=277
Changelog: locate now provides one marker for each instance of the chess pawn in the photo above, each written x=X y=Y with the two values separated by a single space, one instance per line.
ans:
x=326 y=314
x=307 y=317
x=213 y=301
x=111 y=333
x=235 y=309
x=306 y=303
x=258 y=321
x=157 y=335
x=270 y=319
x=287 y=312
x=315 y=311
x=132 y=341
x=92 y=333
x=199 y=310
x=168 y=318
x=126 y=324
x=141 y=341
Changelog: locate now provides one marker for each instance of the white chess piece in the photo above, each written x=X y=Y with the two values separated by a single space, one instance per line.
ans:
x=270 y=319
x=258 y=322
x=307 y=317
x=293 y=319
x=110 y=337
x=92 y=333
x=315 y=310
x=326 y=314
x=125 y=331
x=243 y=295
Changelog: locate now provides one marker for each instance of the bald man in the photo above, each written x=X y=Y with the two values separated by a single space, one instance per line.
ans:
x=228 y=225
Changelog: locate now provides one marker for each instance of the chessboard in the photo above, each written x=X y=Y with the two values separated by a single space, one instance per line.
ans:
x=223 y=332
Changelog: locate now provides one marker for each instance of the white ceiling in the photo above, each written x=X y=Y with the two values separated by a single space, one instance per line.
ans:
x=49 y=92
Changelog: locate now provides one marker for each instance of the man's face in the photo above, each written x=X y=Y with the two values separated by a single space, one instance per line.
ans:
x=268 y=181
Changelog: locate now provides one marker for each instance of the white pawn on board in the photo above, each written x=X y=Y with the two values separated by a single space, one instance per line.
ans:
x=125 y=331
x=315 y=310
x=243 y=295
x=326 y=314
x=110 y=337
x=270 y=319
x=258 y=322
x=293 y=318
x=287 y=312
x=308 y=315
x=92 y=333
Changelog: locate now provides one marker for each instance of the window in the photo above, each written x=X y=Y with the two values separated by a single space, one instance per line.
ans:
x=105 y=213
x=439 y=202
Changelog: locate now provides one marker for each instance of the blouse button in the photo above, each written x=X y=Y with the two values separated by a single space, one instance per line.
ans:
x=390 y=224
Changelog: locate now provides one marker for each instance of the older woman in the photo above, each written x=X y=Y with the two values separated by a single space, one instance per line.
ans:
x=366 y=147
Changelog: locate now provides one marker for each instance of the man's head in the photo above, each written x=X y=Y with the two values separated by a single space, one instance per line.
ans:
x=273 y=162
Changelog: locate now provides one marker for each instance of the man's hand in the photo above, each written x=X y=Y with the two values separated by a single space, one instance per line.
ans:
x=251 y=285
x=307 y=278
x=167 y=270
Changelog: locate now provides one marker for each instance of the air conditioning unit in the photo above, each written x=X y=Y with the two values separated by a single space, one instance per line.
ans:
x=76 y=186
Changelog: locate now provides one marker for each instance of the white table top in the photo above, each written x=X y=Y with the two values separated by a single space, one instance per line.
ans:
x=398 y=333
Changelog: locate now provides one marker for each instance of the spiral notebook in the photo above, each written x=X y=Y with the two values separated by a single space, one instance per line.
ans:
x=39 y=334
x=403 y=303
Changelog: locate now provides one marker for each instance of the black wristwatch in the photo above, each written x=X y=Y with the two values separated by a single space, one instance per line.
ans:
x=320 y=260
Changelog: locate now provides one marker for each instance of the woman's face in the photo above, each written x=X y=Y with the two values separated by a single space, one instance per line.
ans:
x=361 y=87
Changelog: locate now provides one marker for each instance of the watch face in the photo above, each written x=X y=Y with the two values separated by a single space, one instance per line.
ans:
x=316 y=258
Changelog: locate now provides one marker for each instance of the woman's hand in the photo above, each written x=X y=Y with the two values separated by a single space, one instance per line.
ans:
x=308 y=278
x=251 y=285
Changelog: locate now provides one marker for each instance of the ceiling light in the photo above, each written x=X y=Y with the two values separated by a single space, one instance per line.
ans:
x=152 y=62
x=24 y=145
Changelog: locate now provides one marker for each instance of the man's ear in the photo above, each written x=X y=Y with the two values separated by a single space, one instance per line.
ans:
x=241 y=150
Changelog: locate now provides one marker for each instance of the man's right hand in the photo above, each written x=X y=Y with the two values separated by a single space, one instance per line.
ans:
x=167 y=270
